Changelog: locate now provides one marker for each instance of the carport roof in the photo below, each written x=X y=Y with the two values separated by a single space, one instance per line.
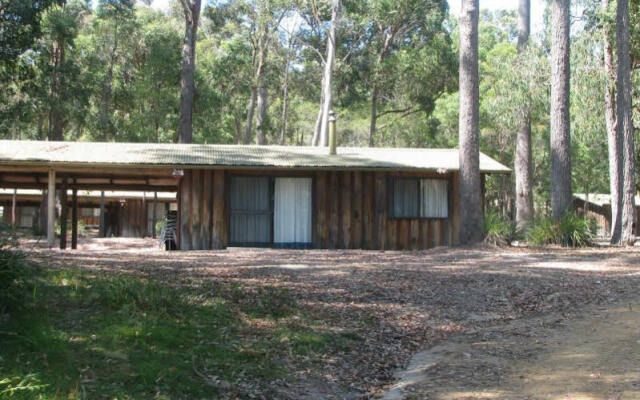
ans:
x=152 y=155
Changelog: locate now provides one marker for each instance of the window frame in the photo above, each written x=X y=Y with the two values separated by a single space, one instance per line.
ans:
x=391 y=189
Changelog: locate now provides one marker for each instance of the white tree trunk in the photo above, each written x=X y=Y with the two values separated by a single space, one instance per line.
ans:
x=560 y=122
x=471 y=213
x=327 y=80
x=625 y=122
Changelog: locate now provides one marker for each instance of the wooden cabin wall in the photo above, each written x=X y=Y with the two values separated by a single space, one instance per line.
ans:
x=351 y=212
x=202 y=217
x=132 y=219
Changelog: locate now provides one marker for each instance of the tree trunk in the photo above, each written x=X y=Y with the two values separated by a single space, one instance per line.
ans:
x=613 y=138
x=285 y=94
x=327 y=80
x=560 y=122
x=261 y=137
x=523 y=168
x=625 y=122
x=471 y=215
x=191 y=10
x=57 y=120
x=315 y=140
x=248 y=131
x=373 y=118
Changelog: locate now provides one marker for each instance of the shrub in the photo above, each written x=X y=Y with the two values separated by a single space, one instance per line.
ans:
x=498 y=231
x=570 y=231
x=15 y=272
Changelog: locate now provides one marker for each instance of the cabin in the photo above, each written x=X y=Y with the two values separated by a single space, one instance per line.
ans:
x=121 y=213
x=597 y=207
x=266 y=196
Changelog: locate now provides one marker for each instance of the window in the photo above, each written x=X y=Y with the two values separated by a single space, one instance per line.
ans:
x=420 y=198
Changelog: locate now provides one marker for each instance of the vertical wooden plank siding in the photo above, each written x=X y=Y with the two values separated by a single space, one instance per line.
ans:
x=455 y=212
x=380 y=210
x=334 y=211
x=219 y=234
x=356 y=211
x=206 y=209
x=368 y=206
x=350 y=210
x=196 y=218
x=345 y=206
x=321 y=206
x=185 y=192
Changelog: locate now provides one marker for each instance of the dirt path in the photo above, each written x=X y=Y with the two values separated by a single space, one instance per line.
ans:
x=593 y=355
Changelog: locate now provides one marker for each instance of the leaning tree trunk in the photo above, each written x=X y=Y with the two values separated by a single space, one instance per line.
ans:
x=471 y=213
x=373 y=115
x=613 y=138
x=625 y=122
x=191 y=10
x=327 y=79
x=560 y=125
x=523 y=168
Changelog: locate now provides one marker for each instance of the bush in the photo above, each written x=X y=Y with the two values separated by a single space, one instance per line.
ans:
x=15 y=272
x=498 y=231
x=570 y=231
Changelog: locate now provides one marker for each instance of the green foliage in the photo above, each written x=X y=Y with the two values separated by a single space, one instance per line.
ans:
x=570 y=231
x=16 y=274
x=498 y=231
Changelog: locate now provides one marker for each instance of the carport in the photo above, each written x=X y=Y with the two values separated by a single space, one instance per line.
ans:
x=57 y=166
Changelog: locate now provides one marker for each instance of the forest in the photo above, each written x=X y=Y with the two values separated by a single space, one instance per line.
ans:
x=258 y=71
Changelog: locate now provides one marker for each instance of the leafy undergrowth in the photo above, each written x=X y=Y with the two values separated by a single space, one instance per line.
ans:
x=88 y=335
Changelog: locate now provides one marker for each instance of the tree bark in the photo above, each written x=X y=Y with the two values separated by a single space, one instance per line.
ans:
x=613 y=138
x=523 y=168
x=191 y=10
x=373 y=117
x=560 y=122
x=471 y=213
x=261 y=137
x=248 y=131
x=625 y=122
x=285 y=93
x=327 y=80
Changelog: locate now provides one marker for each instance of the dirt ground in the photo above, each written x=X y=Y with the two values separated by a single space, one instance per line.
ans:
x=474 y=323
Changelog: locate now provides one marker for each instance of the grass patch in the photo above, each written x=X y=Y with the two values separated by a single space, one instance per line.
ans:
x=86 y=335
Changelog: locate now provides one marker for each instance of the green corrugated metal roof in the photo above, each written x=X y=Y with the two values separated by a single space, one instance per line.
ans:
x=212 y=155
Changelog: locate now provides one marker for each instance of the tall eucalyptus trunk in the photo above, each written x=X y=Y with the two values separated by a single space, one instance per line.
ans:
x=560 y=122
x=523 y=168
x=613 y=138
x=471 y=213
x=191 y=9
x=327 y=79
x=625 y=122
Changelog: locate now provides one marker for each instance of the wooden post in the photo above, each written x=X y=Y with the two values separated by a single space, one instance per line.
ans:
x=74 y=219
x=334 y=210
x=102 y=232
x=154 y=217
x=64 y=214
x=51 y=208
x=219 y=235
x=13 y=209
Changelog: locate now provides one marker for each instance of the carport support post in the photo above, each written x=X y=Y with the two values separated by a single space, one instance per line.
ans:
x=64 y=214
x=51 y=209
x=153 y=215
x=13 y=209
x=101 y=227
x=74 y=219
